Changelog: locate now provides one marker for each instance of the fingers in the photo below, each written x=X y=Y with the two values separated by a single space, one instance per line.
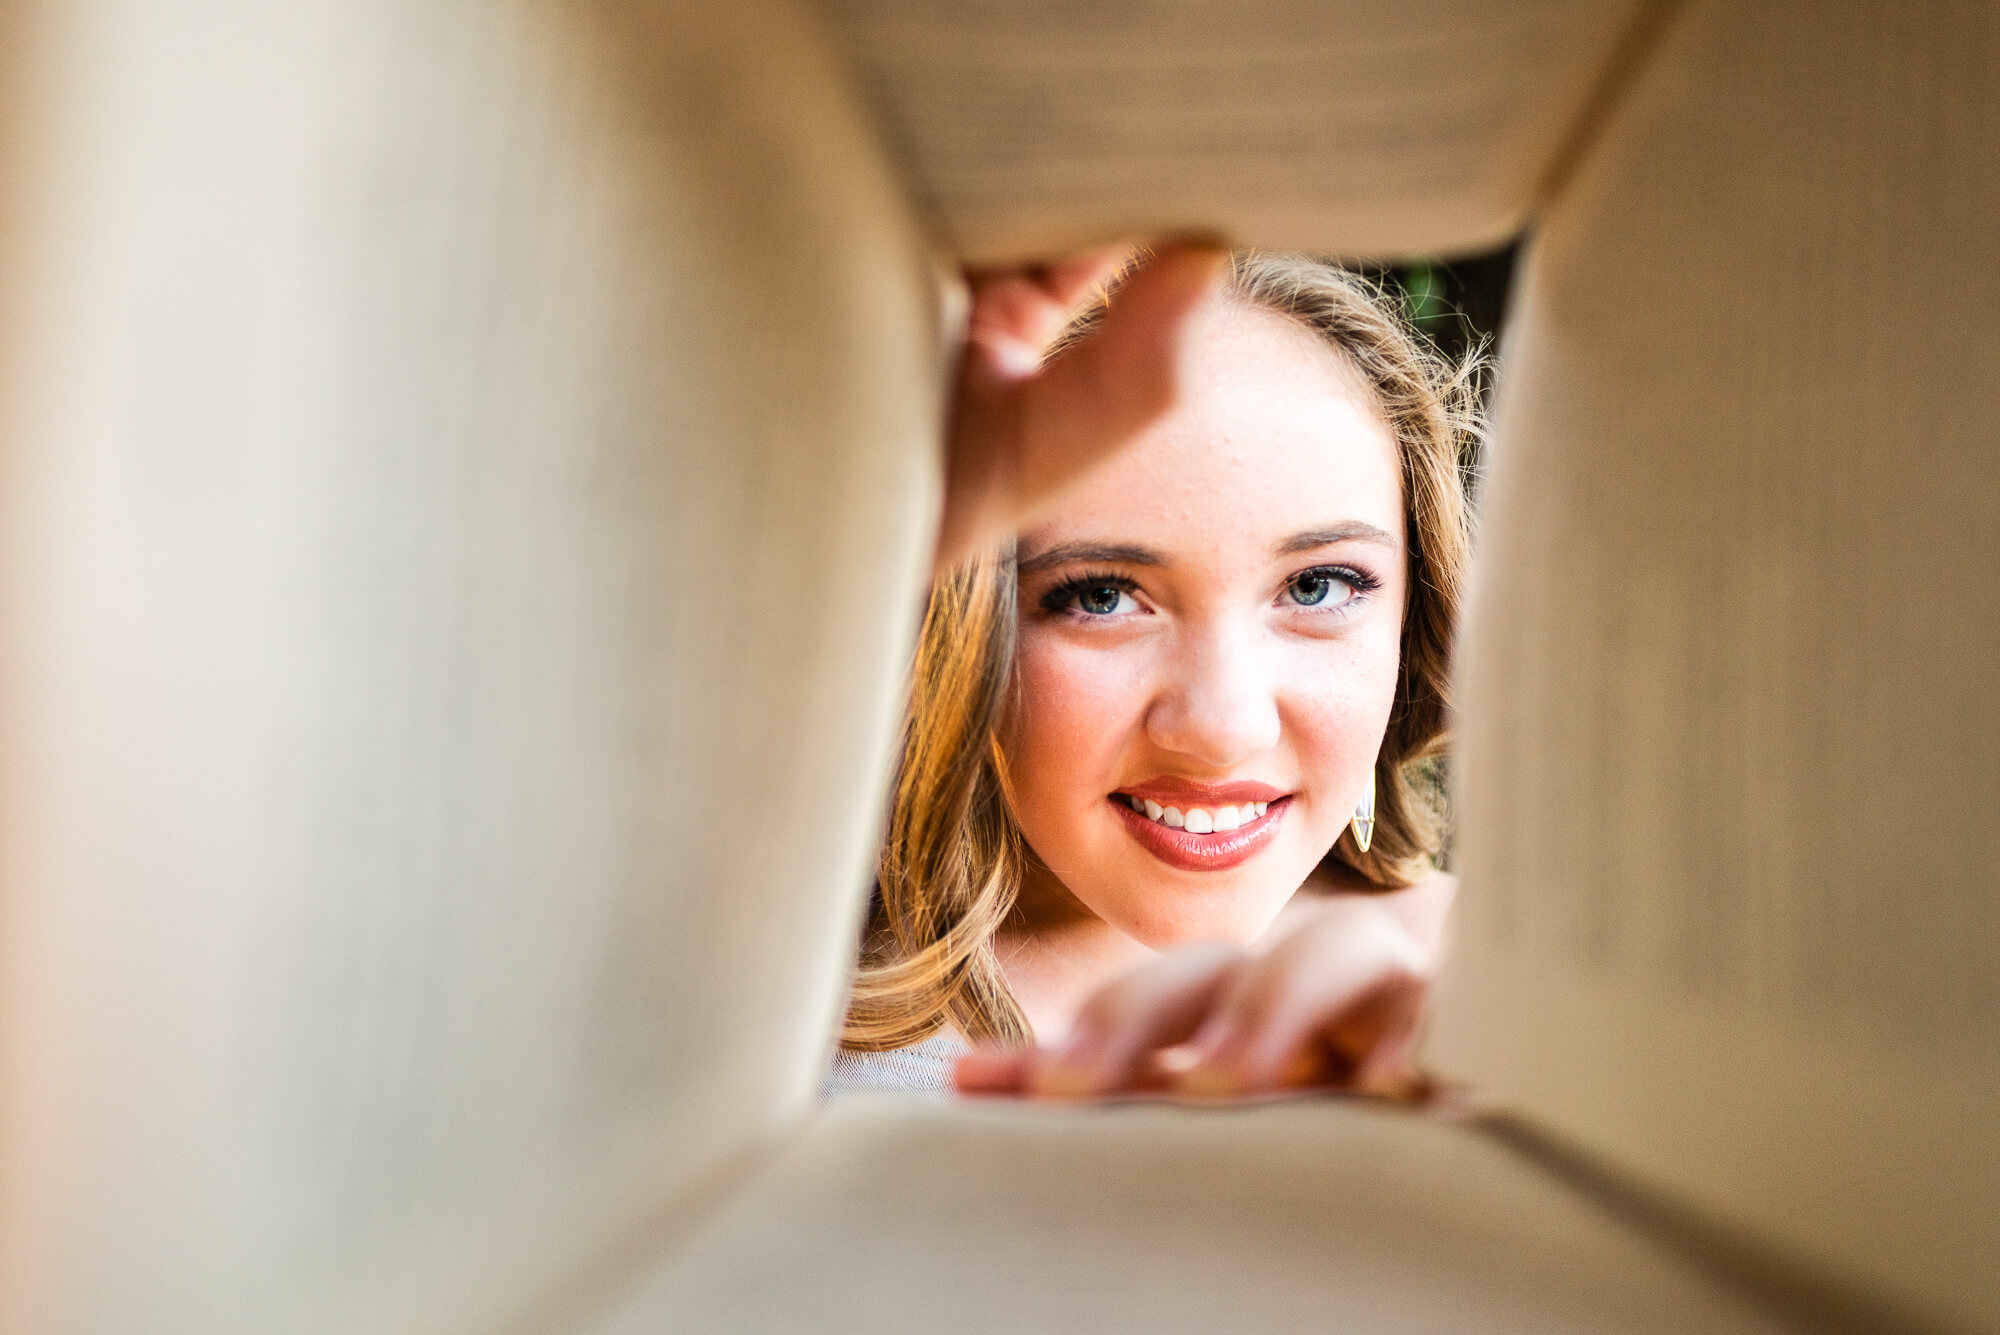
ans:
x=1125 y=1022
x=1335 y=1004
x=1018 y=313
x=1117 y=1032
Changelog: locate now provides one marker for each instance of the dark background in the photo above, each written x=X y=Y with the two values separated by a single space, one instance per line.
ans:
x=1459 y=306
x=1456 y=303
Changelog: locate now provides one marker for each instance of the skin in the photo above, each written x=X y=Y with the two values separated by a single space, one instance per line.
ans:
x=1215 y=665
x=1213 y=581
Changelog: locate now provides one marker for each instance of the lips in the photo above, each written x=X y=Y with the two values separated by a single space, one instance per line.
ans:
x=1189 y=851
x=1185 y=792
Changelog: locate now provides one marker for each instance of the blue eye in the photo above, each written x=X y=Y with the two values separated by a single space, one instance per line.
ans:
x=1102 y=600
x=1092 y=595
x=1311 y=588
x=1324 y=586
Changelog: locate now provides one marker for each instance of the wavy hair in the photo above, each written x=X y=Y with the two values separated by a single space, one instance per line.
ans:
x=952 y=858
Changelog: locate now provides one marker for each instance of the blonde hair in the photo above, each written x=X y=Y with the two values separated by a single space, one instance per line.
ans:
x=952 y=858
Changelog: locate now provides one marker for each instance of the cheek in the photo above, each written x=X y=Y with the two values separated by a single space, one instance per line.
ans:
x=1073 y=711
x=1339 y=697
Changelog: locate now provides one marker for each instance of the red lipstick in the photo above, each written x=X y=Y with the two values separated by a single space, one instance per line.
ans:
x=1170 y=792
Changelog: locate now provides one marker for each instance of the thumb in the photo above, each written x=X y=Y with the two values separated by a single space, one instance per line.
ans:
x=1022 y=429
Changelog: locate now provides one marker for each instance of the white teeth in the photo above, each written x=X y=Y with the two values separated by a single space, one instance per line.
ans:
x=1197 y=820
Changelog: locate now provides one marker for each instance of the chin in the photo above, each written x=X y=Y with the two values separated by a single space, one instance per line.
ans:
x=1172 y=915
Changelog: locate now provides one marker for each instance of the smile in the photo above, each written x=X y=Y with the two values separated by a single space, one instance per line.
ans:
x=1198 y=820
x=1200 y=836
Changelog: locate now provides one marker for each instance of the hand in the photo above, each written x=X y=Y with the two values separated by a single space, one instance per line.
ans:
x=1020 y=429
x=1333 y=1002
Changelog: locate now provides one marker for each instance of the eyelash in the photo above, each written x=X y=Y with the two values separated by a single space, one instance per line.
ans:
x=1061 y=597
x=1360 y=581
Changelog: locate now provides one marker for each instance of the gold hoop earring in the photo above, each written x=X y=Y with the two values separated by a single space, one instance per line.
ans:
x=1363 y=823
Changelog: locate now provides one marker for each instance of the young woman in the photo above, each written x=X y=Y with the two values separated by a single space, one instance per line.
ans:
x=1156 y=809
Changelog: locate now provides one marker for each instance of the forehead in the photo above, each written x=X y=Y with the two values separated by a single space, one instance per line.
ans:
x=1274 y=434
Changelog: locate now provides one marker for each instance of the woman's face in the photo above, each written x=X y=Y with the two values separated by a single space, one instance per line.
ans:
x=1212 y=621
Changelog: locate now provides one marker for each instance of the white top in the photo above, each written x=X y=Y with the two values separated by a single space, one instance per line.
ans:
x=922 y=1068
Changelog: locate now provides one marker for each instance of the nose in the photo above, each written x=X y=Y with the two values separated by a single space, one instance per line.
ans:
x=1218 y=704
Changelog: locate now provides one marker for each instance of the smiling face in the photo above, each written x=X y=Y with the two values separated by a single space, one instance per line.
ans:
x=1209 y=632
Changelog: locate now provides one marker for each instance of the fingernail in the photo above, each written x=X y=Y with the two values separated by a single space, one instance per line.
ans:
x=1010 y=357
x=1214 y=1041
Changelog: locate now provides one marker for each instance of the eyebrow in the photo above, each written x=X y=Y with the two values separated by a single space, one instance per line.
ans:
x=1352 y=531
x=1103 y=553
